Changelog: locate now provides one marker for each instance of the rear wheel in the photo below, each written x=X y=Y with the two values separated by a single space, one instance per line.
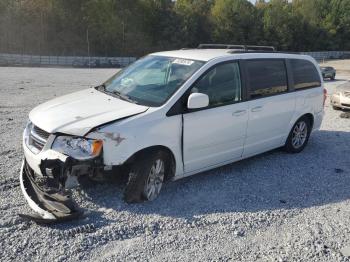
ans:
x=146 y=177
x=333 y=77
x=336 y=108
x=298 y=136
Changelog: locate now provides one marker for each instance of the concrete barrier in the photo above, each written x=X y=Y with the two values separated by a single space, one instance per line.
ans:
x=115 y=62
x=68 y=61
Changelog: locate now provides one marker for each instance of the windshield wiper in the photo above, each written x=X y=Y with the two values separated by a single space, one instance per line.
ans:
x=124 y=97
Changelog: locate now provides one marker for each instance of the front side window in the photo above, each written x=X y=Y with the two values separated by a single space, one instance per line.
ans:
x=222 y=84
x=152 y=80
x=305 y=74
x=266 y=77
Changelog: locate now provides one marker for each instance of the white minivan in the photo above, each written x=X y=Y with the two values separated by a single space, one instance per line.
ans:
x=167 y=116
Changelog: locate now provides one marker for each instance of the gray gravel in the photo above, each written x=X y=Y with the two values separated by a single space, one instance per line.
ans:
x=273 y=207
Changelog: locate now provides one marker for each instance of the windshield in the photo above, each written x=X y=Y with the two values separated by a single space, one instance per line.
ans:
x=151 y=80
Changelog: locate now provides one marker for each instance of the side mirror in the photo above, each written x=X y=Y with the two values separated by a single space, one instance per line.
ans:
x=197 y=100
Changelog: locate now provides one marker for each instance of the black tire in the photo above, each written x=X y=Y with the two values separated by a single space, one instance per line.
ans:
x=333 y=77
x=336 y=108
x=139 y=175
x=289 y=145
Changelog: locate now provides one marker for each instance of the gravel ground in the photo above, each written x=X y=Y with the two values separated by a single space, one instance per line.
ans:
x=273 y=207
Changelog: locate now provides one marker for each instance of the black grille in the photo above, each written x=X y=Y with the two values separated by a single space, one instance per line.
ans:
x=41 y=133
x=36 y=143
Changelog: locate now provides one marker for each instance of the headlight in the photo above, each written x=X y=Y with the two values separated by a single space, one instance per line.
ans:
x=26 y=131
x=77 y=147
x=28 y=139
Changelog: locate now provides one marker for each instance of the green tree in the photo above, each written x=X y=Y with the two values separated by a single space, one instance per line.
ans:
x=124 y=27
x=236 y=21
x=161 y=24
x=337 y=22
x=195 y=21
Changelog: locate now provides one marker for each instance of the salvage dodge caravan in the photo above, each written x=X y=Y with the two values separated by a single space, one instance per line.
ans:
x=167 y=116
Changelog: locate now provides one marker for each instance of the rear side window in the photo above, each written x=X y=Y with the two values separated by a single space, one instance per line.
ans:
x=266 y=77
x=305 y=74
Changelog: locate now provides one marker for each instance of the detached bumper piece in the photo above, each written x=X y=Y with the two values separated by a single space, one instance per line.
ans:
x=51 y=205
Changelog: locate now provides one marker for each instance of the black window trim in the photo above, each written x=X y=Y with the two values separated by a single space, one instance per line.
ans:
x=180 y=106
x=289 y=60
x=288 y=75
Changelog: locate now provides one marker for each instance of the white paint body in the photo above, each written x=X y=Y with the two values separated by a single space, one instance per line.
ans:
x=199 y=140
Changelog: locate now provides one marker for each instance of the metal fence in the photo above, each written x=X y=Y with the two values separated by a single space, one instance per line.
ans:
x=67 y=61
x=114 y=62
x=319 y=56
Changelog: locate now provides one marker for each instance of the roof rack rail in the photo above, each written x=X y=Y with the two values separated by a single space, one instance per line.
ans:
x=261 y=51
x=238 y=47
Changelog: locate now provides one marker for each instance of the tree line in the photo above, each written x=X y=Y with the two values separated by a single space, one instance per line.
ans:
x=137 y=27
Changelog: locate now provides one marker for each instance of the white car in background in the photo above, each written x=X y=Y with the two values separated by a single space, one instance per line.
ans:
x=167 y=116
x=341 y=98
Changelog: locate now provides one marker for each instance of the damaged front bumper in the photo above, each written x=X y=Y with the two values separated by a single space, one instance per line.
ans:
x=49 y=205
x=47 y=192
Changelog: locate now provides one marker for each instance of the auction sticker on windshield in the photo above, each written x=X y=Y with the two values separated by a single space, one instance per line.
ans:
x=183 y=62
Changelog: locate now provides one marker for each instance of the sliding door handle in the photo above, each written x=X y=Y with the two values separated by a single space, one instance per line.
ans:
x=239 y=112
x=257 y=108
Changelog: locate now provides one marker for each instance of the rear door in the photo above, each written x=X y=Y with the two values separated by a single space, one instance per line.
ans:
x=216 y=134
x=271 y=105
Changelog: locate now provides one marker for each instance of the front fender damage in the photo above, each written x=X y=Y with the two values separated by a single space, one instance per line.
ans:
x=48 y=194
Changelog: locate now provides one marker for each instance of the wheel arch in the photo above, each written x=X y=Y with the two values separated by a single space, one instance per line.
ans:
x=288 y=142
x=310 y=117
x=155 y=148
x=298 y=116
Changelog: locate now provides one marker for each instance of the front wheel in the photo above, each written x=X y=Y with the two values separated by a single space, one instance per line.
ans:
x=298 y=136
x=146 y=177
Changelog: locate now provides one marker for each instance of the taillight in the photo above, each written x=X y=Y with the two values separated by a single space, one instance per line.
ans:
x=324 y=96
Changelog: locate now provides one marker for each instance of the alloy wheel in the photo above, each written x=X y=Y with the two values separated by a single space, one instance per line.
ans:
x=155 y=180
x=299 y=134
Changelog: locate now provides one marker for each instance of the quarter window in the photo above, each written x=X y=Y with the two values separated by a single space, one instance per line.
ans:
x=222 y=84
x=266 y=77
x=305 y=74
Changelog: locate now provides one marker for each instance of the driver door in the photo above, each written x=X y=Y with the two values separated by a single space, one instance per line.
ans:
x=216 y=134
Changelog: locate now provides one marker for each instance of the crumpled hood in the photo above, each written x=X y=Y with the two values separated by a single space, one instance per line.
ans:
x=79 y=112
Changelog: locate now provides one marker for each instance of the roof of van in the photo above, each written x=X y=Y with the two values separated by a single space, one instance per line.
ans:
x=209 y=54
